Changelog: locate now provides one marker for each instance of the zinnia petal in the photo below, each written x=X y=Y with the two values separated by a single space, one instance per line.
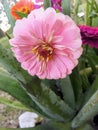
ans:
x=46 y=44
x=89 y=35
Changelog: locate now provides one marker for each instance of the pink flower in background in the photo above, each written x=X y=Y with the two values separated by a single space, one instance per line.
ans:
x=56 y=4
x=39 y=0
x=89 y=35
x=47 y=44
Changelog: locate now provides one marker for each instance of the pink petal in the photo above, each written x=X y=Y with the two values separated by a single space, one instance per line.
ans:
x=52 y=33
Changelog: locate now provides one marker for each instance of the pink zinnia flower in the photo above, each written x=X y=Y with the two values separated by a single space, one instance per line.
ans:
x=47 y=44
x=89 y=35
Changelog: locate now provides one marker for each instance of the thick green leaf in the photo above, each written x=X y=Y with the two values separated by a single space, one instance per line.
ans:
x=45 y=98
x=8 y=13
x=13 y=88
x=91 y=63
x=12 y=66
x=89 y=110
x=85 y=127
x=77 y=86
x=37 y=102
x=83 y=74
x=66 y=7
x=67 y=90
x=12 y=103
x=85 y=81
x=94 y=57
x=53 y=85
x=10 y=85
x=53 y=126
x=47 y=126
x=92 y=90
x=47 y=3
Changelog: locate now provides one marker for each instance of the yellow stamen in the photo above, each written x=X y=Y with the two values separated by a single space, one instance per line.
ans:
x=44 y=52
x=24 y=10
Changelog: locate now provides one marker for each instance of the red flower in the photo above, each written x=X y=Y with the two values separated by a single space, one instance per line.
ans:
x=89 y=35
x=23 y=8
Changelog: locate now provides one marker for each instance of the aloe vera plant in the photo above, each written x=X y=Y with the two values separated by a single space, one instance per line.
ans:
x=70 y=103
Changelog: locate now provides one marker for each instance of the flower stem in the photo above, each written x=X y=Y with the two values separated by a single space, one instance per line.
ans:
x=87 y=14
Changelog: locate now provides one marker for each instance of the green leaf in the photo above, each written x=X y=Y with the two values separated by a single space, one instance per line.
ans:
x=2 y=34
x=83 y=73
x=89 y=110
x=93 y=14
x=66 y=7
x=10 y=85
x=12 y=66
x=21 y=15
x=45 y=98
x=35 y=101
x=52 y=85
x=67 y=90
x=51 y=126
x=77 y=3
x=88 y=22
x=77 y=86
x=95 y=58
x=57 y=105
x=8 y=13
x=4 y=42
x=47 y=126
x=95 y=21
x=85 y=81
x=96 y=5
x=14 y=104
x=75 y=11
x=92 y=63
x=93 y=89
x=85 y=127
x=47 y=3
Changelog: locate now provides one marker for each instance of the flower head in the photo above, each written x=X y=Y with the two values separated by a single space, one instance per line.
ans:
x=89 y=35
x=47 y=44
x=23 y=8
x=56 y=4
x=39 y=0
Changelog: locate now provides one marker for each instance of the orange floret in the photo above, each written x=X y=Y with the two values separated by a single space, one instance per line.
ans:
x=22 y=8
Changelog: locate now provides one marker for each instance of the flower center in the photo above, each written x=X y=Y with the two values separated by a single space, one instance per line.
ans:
x=43 y=52
x=24 y=10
